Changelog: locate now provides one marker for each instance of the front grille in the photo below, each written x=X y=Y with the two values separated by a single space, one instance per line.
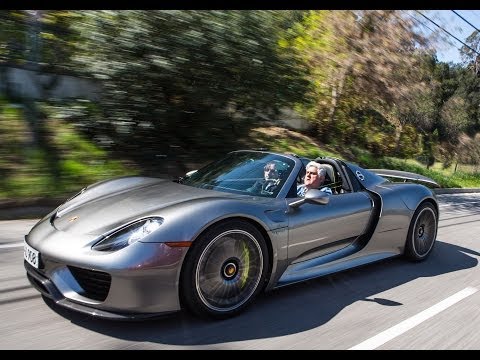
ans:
x=95 y=284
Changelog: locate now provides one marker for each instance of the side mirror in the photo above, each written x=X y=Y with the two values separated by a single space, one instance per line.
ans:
x=313 y=196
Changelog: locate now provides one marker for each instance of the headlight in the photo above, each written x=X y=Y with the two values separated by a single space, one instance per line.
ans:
x=128 y=235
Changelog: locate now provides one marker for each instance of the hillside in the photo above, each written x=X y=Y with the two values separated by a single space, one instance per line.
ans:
x=61 y=161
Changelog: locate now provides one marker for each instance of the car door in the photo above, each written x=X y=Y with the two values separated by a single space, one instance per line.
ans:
x=316 y=230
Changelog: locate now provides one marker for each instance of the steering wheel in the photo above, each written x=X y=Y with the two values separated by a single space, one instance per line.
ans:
x=270 y=185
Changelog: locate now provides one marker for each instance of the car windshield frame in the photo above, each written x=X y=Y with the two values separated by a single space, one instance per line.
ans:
x=240 y=172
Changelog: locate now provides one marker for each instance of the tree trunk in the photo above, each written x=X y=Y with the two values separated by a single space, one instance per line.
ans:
x=337 y=92
x=398 y=136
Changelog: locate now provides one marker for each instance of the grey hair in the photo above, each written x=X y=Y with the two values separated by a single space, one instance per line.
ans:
x=320 y=170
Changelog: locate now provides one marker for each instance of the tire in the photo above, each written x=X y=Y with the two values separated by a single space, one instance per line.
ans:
x=422 y=233
x=224 y=270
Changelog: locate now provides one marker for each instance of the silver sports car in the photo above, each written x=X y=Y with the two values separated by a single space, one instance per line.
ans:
x=210 y=242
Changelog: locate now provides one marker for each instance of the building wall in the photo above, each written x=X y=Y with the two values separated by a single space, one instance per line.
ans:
x=26 y=83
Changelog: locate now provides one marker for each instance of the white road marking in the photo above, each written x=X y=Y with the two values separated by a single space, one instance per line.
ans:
x=5 y=246
x=413 y=321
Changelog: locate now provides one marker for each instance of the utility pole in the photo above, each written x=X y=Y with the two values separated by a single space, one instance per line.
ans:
x=33 y=58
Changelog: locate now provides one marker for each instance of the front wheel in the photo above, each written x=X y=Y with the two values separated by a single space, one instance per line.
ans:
x=422 y=233
x=224 y=270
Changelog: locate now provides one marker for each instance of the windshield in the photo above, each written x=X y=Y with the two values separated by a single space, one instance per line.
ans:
x=244 y=172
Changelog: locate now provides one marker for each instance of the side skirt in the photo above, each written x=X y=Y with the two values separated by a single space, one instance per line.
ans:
x=341 y=259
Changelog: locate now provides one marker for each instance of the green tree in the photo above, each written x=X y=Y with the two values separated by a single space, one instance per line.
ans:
x=469 y=90
x=179 y=77
x=38 y=37
x=470 y=53
x=41 y=41
x=359 y=59
x=12 y=36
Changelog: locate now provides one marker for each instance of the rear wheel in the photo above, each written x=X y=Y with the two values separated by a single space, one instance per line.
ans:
x=224 y=270
x=422 y=233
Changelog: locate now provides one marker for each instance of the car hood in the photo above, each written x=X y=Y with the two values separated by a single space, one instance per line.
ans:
x=96 y=213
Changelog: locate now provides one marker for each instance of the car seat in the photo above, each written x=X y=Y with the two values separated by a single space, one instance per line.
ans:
x=330 y=177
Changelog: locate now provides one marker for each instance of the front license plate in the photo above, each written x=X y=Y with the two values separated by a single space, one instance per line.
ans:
x=31 y=255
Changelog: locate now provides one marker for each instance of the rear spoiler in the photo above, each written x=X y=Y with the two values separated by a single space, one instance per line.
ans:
x=405 y=175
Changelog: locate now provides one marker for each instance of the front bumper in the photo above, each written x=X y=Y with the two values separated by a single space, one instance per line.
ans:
x=48 y=289
x=140 y=281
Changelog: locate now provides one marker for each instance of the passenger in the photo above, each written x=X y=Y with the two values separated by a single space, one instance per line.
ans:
x=314 y=179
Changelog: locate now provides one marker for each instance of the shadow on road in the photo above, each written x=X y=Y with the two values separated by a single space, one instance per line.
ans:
x=288 y=310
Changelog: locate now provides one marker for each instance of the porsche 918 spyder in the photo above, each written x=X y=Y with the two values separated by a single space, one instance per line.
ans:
x=136 y=247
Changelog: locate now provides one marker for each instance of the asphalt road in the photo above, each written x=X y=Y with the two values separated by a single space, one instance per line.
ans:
x=389 y=305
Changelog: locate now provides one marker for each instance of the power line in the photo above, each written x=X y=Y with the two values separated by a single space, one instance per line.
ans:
x=421 y=23
x=434 y=23
x=468 y=22
x=428 y=27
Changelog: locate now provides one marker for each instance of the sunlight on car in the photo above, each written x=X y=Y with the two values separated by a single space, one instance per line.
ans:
x=138 y=247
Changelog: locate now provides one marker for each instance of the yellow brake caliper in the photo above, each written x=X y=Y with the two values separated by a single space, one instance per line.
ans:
x=246 y=265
